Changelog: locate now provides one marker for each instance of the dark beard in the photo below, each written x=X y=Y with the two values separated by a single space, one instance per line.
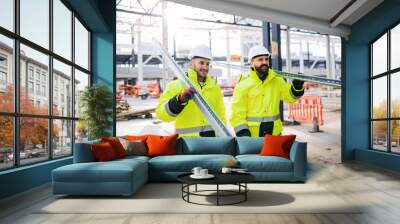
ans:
x=262 y=71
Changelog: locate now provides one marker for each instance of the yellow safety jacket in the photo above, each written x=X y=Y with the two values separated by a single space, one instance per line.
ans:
x=255 y=101
x=190 y=121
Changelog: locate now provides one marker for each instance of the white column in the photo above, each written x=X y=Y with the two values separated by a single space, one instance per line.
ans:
x=241 y=47
x=328 y=57
x=301 y=57
x=164 y=41
x=139 y=55
x=288 y=55
x=228 y=53
x=333 y=58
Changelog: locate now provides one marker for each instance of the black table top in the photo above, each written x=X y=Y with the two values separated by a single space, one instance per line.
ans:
x=220 y=178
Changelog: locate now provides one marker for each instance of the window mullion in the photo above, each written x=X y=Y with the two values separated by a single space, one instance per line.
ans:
x=50 y=81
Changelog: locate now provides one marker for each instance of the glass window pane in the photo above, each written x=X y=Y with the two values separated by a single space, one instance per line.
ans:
x=62 y=29
x=6 y=142
x=62 y=89
x=395 y=47
x=81 y=81
x=62 y=138
x=35 y=21
x=33 y=139
x=81 y=45
x=6 y=74
x=7 y=14
x=379 y=98
x=379 y=55
x=34 y=72
x=395 y=95
x=81 y=131
x=379 y=135
x=395 y=138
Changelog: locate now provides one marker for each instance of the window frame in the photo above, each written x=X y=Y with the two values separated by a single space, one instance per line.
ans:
x=388 y=74
x=16 y=114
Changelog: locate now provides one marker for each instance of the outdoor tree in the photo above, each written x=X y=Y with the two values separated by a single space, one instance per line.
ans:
x=33 y=131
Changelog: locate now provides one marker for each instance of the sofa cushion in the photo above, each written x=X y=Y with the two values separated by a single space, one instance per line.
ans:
x=161 y=145
x=277 y=145
x=257 y=163
x=134 y=147
x=112 y=171
x=103 y=152
x=116 y=145
x=249 y=145
x=185 y=163
x=206 y=145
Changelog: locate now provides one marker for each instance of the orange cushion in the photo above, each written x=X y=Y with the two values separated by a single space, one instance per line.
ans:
x=103 y=152
x=161 y=145
x=277 y=145
x=116 y=145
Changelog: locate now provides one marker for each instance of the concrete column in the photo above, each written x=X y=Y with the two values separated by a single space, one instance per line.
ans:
x=328 y=61
x=241 y=47
x=165 y=41
x=328 y=57
x=301 y=57
x=288 y=55
x=139 y=55
x=228 y=53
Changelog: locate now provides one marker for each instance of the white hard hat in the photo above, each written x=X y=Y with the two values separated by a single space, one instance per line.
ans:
x=258 y=51
x=200 y=51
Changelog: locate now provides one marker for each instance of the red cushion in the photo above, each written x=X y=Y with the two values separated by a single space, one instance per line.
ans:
x=277 y=145
x=116 y=145
x=103 y=152
x=161 y=145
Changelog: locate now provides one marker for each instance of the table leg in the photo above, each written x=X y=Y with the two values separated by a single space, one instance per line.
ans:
x=245 y=191
x=217 y=194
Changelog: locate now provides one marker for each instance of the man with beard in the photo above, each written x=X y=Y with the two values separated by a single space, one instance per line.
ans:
x=176 y=102
x=255 y=102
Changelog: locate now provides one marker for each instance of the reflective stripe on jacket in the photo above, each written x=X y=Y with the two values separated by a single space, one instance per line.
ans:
x=255 y=101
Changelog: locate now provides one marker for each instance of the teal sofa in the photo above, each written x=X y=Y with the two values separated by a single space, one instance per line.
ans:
x=125 y=176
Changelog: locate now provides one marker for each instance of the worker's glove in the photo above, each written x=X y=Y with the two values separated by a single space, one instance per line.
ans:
x=243 y=133
x=297 y=84
x=186 y=95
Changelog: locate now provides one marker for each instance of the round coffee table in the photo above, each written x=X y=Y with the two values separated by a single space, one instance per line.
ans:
x=238 y=179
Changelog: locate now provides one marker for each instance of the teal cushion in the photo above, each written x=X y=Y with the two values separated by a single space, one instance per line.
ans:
x=185 y=163
x=249 y=145
x=257 y=163
x=111 y=171
x=206 y=145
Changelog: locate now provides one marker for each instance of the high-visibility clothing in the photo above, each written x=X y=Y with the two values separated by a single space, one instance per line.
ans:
x=189 y=120
x=256 y=103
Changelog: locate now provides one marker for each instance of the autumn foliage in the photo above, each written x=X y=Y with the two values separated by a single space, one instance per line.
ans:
x=380 y=128
x=33 y=131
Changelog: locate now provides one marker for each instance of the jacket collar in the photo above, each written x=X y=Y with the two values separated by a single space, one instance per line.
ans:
x=254 y=76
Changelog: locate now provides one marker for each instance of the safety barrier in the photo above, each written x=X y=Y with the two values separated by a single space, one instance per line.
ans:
x=308 y=109
x=152 y=90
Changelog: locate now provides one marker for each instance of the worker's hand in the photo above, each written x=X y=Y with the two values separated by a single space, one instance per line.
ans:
x=186 y=95
x=243 y=133
x=297 y=84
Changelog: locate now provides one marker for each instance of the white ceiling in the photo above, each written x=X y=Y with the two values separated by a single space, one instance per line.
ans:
x=314 y=15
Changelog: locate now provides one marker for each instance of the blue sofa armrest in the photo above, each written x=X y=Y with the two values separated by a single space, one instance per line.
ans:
x=298 y=155
x=83 y=152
